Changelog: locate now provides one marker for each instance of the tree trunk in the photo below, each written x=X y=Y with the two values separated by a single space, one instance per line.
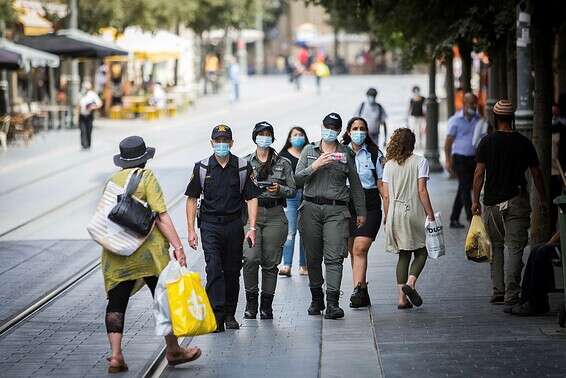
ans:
x=465 y=48
x=511 y=68
x=431 y=152
x=502 y=69
x=449 y=83
x=543 y=37
x=562 y=59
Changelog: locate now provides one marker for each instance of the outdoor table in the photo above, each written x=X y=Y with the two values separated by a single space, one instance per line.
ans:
x=137 y=103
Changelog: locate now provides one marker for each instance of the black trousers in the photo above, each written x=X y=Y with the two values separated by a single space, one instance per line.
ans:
x=538 y=278
x=118 y=298
x=223 y=253
x=464 y=167
x=85 y=124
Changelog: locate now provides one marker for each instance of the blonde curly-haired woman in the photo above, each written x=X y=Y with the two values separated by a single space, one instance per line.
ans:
x=406 y=202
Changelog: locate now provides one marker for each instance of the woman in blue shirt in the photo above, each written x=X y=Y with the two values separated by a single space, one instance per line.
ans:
x=369 y=161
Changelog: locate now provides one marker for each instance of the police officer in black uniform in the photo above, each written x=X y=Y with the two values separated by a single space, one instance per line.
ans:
x=224 y=184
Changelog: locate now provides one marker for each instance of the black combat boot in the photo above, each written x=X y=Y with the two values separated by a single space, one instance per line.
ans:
x=265 y=310
x=251 y=305
x=231 y=322
x=333 y=311
x=317 y=303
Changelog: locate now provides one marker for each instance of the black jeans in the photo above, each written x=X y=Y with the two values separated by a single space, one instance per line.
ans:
x=464 y=167
x=538 y=279
x=85 y=124
x=223 y=253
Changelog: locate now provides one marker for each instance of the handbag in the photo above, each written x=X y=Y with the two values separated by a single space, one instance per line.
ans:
x=108 y=234
x=131 y=213
x=435 y=237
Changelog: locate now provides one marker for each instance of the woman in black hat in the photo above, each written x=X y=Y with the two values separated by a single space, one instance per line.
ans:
x=125 y=275
x=274 y=174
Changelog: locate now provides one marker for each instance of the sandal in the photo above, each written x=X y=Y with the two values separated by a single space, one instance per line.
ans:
x=405 y=306
x=412 y=294
x=184 y=356
x=116 y=366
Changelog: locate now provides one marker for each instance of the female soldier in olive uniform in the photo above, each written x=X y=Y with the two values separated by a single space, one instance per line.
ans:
x=324 y=218
x=275 y=175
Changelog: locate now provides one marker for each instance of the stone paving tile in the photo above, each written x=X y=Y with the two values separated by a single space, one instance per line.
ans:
x=34 y=268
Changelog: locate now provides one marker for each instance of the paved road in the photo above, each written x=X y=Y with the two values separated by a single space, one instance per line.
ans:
x=456 y=332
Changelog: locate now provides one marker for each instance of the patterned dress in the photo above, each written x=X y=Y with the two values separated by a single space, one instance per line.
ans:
x=153 y=255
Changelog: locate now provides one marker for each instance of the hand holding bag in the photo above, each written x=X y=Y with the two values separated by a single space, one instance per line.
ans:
x=130 y=213
x=478 y=245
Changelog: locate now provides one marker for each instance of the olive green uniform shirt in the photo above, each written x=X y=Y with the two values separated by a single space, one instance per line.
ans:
x=282 y=173
x=330 y=181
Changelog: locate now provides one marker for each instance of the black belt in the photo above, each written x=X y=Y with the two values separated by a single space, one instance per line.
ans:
x=219 y=218
x=325 y=201
x=268 y=203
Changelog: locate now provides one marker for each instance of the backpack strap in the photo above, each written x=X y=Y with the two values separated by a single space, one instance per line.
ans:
x=203 y=170
x=361 y=109
x=242 y=172
x=376 y=158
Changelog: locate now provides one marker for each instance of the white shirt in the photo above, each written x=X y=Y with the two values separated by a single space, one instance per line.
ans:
x=423 y=170
x=88 y=99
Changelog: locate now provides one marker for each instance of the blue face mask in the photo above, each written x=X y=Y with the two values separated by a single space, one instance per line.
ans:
x=329 y=135
x=298 y=141
x=221 y=149
x=358 y=137
x=263 y=141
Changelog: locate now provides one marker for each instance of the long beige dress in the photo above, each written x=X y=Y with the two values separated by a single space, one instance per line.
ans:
x=404 y=230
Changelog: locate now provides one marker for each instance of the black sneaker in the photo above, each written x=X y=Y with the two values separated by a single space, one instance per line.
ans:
x=360 y=297
x=231 y=322
x=456 y=224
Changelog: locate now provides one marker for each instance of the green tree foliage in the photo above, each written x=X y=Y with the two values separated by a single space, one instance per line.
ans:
x=7 y=13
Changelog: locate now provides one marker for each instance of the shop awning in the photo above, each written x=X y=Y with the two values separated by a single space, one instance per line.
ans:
x=74 y=44
x=14 y=56
x=153 y=47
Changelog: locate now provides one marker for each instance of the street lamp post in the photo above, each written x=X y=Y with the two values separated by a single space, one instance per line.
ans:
x=74 y=82
x=431 y=151
x=259 y=48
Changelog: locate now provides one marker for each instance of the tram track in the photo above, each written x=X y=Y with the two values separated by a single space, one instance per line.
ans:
x=57 y=292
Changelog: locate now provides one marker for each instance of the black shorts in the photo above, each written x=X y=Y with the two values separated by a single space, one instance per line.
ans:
x=370 y=228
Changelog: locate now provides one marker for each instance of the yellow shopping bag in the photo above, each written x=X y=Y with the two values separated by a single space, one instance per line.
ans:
x=191 y=313
x=478 y=245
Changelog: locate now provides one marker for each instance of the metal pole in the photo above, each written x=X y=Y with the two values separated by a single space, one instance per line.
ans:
x=492 y=89
x=259 y=51
x=524 y=112
x=74 y=82
x=431 y=151
x=4 y=102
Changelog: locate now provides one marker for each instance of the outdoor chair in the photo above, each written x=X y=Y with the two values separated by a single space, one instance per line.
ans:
x=4 y=128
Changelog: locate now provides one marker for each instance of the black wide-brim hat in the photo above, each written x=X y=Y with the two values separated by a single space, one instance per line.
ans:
x=133 y=152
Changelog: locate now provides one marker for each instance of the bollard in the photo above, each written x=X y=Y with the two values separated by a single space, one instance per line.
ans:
x=561 y=202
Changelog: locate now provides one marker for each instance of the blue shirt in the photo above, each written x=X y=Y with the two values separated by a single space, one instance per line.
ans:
x=364 y=166
x=462 y=131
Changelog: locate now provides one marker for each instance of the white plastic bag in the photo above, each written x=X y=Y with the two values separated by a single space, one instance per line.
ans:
x=172 y=272
x=435 y=237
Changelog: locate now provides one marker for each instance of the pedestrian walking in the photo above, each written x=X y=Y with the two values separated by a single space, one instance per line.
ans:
x=125 y=275
x=320 y=70
x=460 y=155
x=296 y=141
x=375 y=115
x=224 y=184
x=234 y=77
x=417 y=121
x=88 y=103
x=406 y=204
x=274 y=174
x=369 y=160
x=324 y=218
x=503 y=157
